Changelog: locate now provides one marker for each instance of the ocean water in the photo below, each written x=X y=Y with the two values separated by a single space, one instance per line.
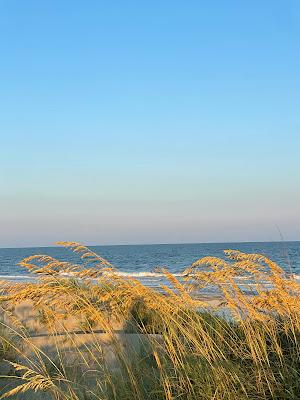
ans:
x=141 y=261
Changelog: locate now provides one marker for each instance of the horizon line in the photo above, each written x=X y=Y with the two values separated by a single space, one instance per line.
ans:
x=151 y=244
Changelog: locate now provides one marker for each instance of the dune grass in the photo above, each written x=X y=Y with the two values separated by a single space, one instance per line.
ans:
x=172 y=344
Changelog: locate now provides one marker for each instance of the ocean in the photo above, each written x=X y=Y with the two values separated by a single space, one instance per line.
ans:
x=141 y=261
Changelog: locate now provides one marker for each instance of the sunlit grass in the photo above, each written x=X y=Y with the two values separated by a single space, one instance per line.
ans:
x=128 y=341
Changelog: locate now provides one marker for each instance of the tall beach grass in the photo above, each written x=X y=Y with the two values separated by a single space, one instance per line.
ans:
x=106 y=336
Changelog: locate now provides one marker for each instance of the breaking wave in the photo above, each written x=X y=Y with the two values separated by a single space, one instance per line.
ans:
x=139 y=275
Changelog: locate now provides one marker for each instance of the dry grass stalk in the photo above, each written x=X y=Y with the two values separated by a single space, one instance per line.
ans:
x=188 y=350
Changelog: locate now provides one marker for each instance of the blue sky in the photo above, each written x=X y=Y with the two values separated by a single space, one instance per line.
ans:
x=149 y=122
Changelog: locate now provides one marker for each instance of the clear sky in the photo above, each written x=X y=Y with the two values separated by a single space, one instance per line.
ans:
x=149 y=121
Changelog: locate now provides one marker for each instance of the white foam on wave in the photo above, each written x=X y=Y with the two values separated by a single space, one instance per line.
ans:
x=145 y=274
x=138 y=275
x=141 y=274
